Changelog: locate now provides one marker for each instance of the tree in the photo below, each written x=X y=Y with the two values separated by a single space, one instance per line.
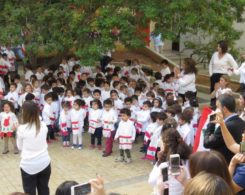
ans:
x=91 y=27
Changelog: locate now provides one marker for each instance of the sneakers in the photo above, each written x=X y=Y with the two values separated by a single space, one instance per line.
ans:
x=128 y=161
x=79 y=147
x=119 y=159
x=106 y=154
x=6 y=151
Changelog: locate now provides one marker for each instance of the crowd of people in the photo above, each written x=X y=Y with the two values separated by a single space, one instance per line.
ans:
x=128 y=103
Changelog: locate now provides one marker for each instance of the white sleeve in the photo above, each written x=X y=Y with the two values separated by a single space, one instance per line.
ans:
x=186 y=80
x=133 y=132
x=238 y=71
x=152 y=180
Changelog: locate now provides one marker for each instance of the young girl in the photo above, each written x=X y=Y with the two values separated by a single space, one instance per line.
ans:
x=95 y=125
x=105 y=92
x=221 y=87
x=76 y=69
x=109 y=119
x=65 y=123
x=184 y=128
x=9 y=123
x=36 y=91
x=12 y=95
x=157 y=105
x=118 y=104
x=28 y=89
x=28 y=74
x=69 y=96
x=77 y=122
x=126 y=134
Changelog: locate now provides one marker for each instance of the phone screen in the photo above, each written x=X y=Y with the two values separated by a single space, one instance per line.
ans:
x=175 y=165
x=83 y=189
x=165 y=174
x=212 y=117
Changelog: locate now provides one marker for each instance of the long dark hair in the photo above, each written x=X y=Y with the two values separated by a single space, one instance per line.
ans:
x=30 y=111
x=173 y=144
x=190 y=66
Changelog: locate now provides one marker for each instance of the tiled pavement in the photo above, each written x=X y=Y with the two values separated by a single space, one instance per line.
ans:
x=68 y=164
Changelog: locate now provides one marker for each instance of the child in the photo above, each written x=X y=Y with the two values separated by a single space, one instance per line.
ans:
x=169 y=85
x=105 y=92
x=69 y=96
x=91 y=84
x=76 y=69
x=9 y=123
x=143 y=117
x=109 y=119
x=65 y=123
x=28 y=89
x=165 y=68
x=184 y=128
x=95 y=125
x=97 y=94
x=48 y=116
x=36 y=91
x=86 y=95
x=156 y=137
x=150 y=129
x=157 y=105
x=77 y=122
x=126 y=134
x=39 y=73
x=19 y=87
x=13 y=96
x=118 y=104
x=28 y=73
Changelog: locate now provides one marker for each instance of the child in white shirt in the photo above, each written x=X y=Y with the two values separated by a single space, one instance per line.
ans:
x=28 y=89
x=105 y=92
x=9 y=123
x=65 y=123
x=48 y=116
x=126 y=134
x=28 y=74
x=19 y=87
x=109 y=119
x=69 y=96
x=12 y=95
x=95 y=124
x=77 y=123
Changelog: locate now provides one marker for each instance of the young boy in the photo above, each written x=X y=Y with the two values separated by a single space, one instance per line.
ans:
x=12 y=95
x=109 y=119
x=48 y=116
x=126 y=134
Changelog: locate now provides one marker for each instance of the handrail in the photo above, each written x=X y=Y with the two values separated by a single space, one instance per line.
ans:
x=162 y=56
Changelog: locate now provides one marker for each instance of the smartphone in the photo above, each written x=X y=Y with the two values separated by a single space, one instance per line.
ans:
x=175 y=164
x=81 y=189
x=165 y=174
x=242 y=147
x=212 y=117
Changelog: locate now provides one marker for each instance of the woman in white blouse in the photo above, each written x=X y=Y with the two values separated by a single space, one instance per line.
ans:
x=221 y=63
x=241 y=71
x=35 y=161
x=186 y=79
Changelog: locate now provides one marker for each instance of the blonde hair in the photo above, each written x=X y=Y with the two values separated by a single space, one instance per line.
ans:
x=207 y=183
x=226 y=78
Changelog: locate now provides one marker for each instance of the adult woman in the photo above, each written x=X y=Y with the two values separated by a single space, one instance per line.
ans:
x=35 y=160
x=221 y=63
x=241 y=71
x=172 y=144
x=187 y=77
x=206 y=183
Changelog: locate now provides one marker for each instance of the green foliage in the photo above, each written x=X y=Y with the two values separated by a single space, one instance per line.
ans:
x=59 y=25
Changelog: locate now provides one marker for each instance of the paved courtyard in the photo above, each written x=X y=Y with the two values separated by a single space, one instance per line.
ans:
x=68 y=164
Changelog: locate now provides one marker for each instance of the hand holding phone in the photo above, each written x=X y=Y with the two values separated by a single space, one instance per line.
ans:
x=165 y=174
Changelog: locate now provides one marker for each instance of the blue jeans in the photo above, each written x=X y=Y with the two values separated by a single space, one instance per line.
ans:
x=67 y=137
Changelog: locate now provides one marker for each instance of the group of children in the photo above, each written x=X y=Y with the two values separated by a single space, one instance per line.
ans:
x=122 y=103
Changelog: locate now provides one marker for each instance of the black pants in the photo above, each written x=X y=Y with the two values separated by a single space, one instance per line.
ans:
x=50 y=132
x=125 y=151
x=242 y=87
x=38 y=181
x=97 y=134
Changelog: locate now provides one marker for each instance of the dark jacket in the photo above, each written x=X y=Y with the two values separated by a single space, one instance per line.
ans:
x=213 y=139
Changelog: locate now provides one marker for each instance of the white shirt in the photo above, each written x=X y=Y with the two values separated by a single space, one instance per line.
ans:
x=28 y=75
x=95 y=117
x=186 y=82
x=109 y=116
x=165 y=71
x=12 y=97
x=186 y=133
x=241 y=71
x=33 y=147
x=40 y=76
x=222 y=65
